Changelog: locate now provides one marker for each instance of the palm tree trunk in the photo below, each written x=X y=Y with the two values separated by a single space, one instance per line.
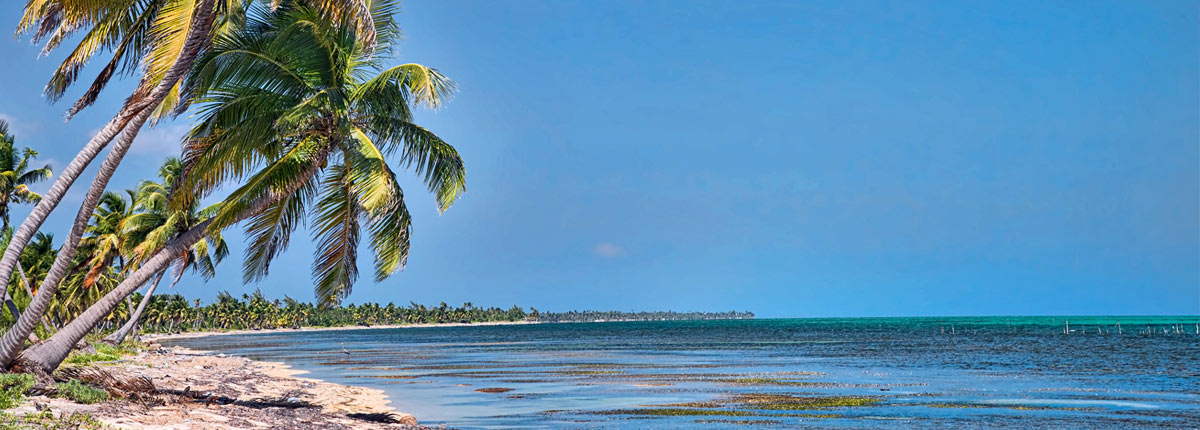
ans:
x=130 y=120
x=49 y=354
x=11 y=342
x=25 y=283
x=16 y=313
x=119 y=335
x=50 y=200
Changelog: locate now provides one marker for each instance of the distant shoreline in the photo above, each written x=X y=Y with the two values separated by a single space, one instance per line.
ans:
x=189 y=335
x=1188 y=320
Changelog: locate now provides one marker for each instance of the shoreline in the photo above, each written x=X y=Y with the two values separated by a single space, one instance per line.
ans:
x=153 y=337
x=197 y=389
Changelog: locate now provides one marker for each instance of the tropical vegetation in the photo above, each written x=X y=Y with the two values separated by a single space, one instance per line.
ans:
x=173 y=313
x=158 y=38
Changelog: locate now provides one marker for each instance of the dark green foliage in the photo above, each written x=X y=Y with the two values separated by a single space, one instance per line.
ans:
x=173 y=313
x=13 y=387
x=79 y=392
x=46 y=420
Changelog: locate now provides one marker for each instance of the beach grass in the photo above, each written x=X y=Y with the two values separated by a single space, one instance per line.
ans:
x=80 y=392
x=13 y=387
x=104 y=352
x=47 y=420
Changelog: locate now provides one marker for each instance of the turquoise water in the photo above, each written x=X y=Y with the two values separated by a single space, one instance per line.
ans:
x=993 y=372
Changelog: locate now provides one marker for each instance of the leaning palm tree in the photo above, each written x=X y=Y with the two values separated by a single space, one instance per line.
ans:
x=154 y=224
x=169 y=35
x=291 y=105
x=306 y=102
x=150 y=95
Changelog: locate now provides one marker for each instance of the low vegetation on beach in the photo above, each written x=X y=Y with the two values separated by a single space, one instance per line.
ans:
x=48 y=420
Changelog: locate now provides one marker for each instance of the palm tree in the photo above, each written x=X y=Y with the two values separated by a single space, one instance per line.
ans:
x=15 y=178
x=326 y=134
x=297 y=98
x=34 y=263
x=138 y=107
x=156 y=223
x=106 y=236
x=16 y=175
x=170 y=34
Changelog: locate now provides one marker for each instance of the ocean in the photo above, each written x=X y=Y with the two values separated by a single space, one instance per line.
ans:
x=839 y=373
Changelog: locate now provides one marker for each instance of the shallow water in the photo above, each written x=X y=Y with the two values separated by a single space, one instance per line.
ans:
x=995 y=372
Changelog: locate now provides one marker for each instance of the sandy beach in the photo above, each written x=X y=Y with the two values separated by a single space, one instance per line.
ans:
x=198 y=390
x=201 y=390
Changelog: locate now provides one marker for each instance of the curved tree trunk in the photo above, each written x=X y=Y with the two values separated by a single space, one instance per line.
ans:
x=12 y=341
x=25 y=283
x=119 y=335
x=50 y=200
x=51 y=353
x=16 y=313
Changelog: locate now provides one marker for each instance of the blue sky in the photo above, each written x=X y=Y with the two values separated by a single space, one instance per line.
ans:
x=789 y=158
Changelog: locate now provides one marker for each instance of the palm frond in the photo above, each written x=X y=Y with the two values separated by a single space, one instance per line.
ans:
x=270 y=231
x=431 y=157
x=335 y=224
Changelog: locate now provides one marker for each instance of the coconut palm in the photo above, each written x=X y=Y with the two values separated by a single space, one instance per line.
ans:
x=15 y=177
x=128 y=121
x=289 y=104
x=170 y=35
x=106 y=236
x=16 y=174
x=98 y=269
x=291 y=97
x=154 y=224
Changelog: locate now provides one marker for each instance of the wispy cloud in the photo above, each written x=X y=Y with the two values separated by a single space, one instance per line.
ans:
x=160 y=141
x=17 y=127
x=609 y=250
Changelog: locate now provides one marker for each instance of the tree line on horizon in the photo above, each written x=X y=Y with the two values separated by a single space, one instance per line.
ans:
x=173 y=313
x=594 y=316
x=298 y=118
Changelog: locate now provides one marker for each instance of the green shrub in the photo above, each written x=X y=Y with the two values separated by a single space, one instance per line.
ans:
x=46 y=420
x=89 y=357
x=13 y=387
x=81 y=393
x=104 y=352
x=114 y=350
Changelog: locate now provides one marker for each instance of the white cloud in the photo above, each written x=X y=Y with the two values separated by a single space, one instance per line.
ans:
x=19 y=128
x=609 y=250
x=163 y=141
x=157 y=142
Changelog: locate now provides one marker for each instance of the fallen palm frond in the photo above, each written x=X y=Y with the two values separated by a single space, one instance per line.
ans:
x=117 y=383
